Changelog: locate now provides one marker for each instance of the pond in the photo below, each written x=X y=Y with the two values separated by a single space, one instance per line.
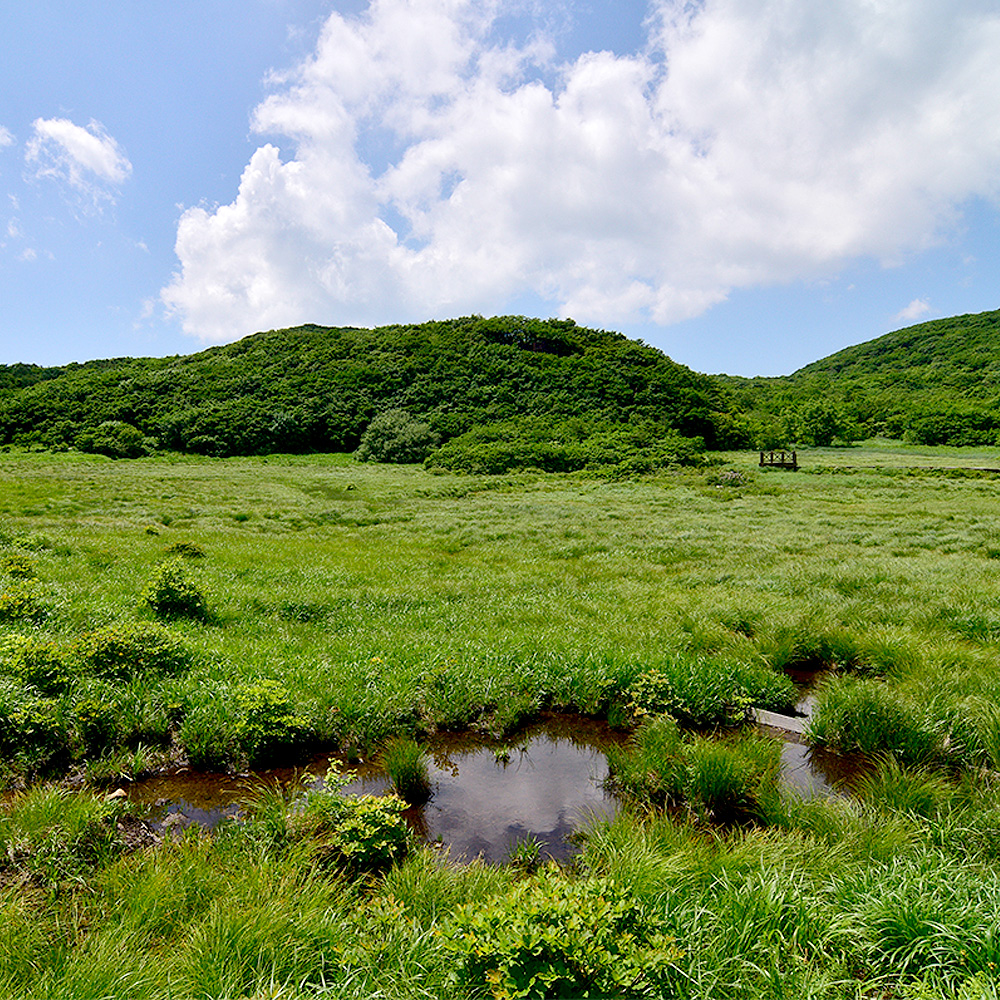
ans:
x=486 y=799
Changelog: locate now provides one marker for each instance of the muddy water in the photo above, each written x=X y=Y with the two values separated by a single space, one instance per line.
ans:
x=544 y=787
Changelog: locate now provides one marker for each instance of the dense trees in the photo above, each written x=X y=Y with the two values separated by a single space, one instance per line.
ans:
x=505 y=392
x=933 y=383
x=318 y=389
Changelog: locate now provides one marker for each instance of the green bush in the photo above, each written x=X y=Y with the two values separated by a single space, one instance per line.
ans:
x=32 y=729
x=171 y=594
x=396 y=436
x=22 y=603
x=38 y=662
x=19 y=566
x=556 y=937
x=364 y=833
x=113 y=438
x=130 y=650
x=267 y=729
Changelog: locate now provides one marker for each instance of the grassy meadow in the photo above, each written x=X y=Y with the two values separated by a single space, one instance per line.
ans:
x=239 y=612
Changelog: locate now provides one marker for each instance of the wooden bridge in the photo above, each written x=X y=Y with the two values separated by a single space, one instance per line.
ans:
x=779 y=460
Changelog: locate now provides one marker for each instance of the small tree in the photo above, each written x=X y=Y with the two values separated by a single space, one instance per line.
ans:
x=113 y=438
x=396 y=436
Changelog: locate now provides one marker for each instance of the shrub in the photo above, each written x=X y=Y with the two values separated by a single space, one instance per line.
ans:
x=38 y=662
x=267 y=728
x=406 y=764
x=18 y=566
x=396 y=436
x=129 y=650
x=556 y=937
x=113 y=438
x=365 y=833
x=170 y=594
x=22 y=603
x=32 y=729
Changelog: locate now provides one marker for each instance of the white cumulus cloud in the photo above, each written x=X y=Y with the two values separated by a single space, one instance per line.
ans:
x=420 y=166
x=87 y=159
x=916 y=309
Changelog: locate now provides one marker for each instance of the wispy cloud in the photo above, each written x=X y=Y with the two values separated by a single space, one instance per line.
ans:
x=421 y=165
x=916 y=309
x=6 y=137
x=88 y=160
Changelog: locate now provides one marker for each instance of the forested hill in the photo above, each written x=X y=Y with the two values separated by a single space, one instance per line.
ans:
x=958 y=355
x=317 y=389
x=933 y=383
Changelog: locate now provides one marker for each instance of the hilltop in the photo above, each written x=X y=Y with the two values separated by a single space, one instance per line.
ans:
x=932 y=383
x=497 y=393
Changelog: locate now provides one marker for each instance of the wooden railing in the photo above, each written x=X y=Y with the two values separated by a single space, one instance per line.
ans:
x=779 y=460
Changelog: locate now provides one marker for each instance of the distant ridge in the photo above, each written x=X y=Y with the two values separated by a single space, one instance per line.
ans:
x=932 y=383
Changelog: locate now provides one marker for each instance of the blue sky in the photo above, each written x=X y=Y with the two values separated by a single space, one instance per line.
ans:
x=747 y=184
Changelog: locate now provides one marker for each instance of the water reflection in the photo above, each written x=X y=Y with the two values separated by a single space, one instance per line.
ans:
x=485 y=799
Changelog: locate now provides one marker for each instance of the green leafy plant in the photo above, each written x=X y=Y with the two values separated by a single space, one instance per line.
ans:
x=267 y=726
x=363 y=833
x=22 y=603
x=131 y=650
x=171 y=594
x=396 y=436
x=38 y=662
x=554 y=936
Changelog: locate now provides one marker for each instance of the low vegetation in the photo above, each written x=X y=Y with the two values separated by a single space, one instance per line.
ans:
x=363 y=606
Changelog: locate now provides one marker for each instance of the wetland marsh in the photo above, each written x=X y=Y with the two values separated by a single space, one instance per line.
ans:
x=344 y=604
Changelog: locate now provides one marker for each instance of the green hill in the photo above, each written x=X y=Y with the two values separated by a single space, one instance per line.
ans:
x=564 y=394
x=933 y=383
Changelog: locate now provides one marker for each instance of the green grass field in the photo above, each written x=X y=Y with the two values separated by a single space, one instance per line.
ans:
x=344 y=603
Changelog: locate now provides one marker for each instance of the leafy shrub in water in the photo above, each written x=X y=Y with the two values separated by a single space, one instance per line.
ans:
x=556 y=937
x=364 y=833
x=396 y=436
x=267 y=728
x=130 y=650
x=171 y=594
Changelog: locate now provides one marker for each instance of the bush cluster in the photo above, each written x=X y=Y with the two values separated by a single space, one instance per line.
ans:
x=554 y=936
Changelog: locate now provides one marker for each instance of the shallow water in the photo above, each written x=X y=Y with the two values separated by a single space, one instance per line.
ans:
x=551 y=780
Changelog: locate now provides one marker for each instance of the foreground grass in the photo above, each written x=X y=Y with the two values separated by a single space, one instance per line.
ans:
x=845 y=899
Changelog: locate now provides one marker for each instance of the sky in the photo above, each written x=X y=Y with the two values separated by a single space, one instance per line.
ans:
x=748 y=185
